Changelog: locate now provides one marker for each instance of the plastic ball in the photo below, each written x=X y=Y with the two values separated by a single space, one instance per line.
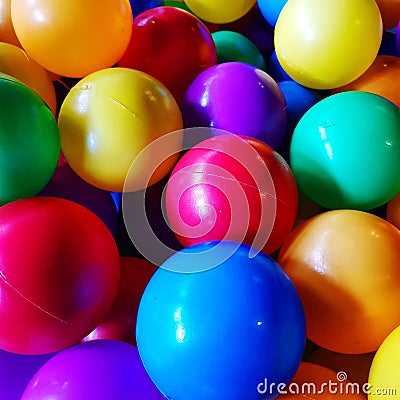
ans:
x=15 y=62
x=108 y=118
x=232 y=46
x=66 y=184
x=232 y=188
x=7 y=33
x=381 y=78
x=344 y=264
x=76 y=39
x=177 y=4
x=275 y=70
x=254 y=27
x=120 y=322
x=184 y=47
x=16 y=371
x=102 y=369
x=388 y=45
x=220 y=11
x=325 y=53
x=390 y=12
x=139 y=6
x=271 y=9
x=29 y=141
x=398 y=39
x=315 y=382
x=219 y=333
x=60 y=274
x=336 y=142
x=238 y=98
x=384 y=375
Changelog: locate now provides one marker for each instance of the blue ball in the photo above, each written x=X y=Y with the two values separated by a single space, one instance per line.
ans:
x=139 y=6
x=223 y=332
x=275 y=70
x=270 y=9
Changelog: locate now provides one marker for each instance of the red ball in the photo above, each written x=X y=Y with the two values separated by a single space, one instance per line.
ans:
x=60 y=274
x=232 y=188
x=171 y=45
x=120 y=322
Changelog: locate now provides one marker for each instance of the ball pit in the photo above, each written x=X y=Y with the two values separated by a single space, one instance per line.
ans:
x=63 y=282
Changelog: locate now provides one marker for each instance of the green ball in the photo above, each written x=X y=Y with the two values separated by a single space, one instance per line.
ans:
x=232 y=46
x=29 y=141
x=345 y=151
x=176 y=4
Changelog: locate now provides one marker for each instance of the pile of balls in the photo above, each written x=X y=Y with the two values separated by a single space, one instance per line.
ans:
x=199 y=200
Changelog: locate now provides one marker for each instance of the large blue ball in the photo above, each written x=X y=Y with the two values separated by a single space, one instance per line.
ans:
x=222 y=333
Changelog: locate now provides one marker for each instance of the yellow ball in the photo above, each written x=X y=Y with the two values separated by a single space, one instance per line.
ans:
x=384 y=375
x=108 y=118
x=330 y=43
x=220 y=11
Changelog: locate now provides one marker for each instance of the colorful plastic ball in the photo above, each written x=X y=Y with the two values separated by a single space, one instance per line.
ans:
x=15 y=62
x=120 y=322
x=66 y=184
x=108 y=118
x=315 y=382
x=177 y=4
x=238 y=98
x=184 y=47
x=325 y=53
x=232 y=46
x=271 y=9
x=356 y=366
x=76 y=39
x=60 y=274
x=29 y=141
x=220 y=11
x=344 y=265
x=390 y=12
x=384 y=375
x=16 y=371
x=275 y=70
x=102 y=369
x=232 y=188
x=7 y=33
x=381 y=78
x=345 y=151
x=398 y=39
x=254 y=27
x=218 y=333
x=388 y=45
x=139 y=6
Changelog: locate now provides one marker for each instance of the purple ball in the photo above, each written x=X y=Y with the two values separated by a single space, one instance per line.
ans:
x=238 y=98
x=66 y=184
x=16 y=371
x=100 y=369
x=398 y=39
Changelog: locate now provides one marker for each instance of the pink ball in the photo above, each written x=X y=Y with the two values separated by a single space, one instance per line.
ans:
x=232 y=188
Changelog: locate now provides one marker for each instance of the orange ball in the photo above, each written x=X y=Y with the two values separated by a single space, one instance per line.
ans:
x=15 y=62
x=345 y=265
x=393 y=211
x=381 y=78
x=74 y=38
x=390 y=12
x=7 y=33
x=320 y=383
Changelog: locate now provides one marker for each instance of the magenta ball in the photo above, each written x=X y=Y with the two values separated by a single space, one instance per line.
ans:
x=238 y=98
x=101 y=369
